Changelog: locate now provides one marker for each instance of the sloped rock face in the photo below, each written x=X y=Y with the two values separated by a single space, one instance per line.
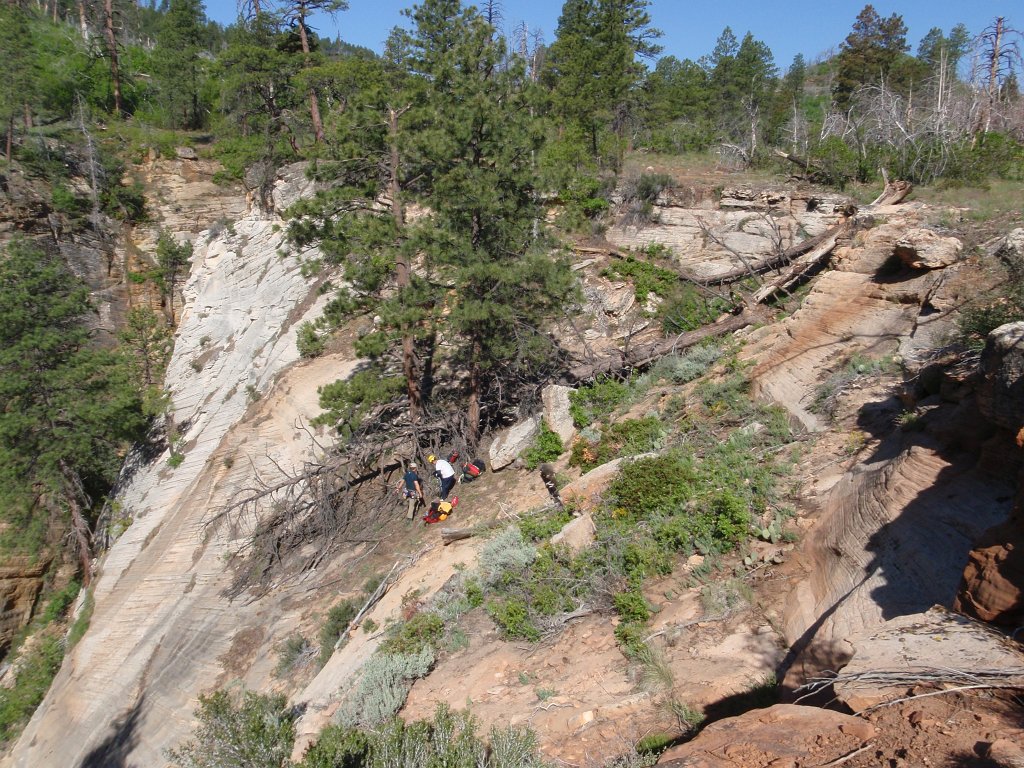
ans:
x=993 y=581
x=1001 y=388
x=162 y=630
x=507 y=446
x=780 y=735
x=20 y=582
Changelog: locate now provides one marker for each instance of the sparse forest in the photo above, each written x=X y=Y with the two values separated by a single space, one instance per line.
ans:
x=454 y=171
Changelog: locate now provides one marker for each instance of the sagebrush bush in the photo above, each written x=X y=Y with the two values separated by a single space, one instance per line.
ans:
x=507 y=551
x=681 y=369
x=384 y=682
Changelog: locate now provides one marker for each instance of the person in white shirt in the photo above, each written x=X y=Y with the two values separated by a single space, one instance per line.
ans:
x=446 y=473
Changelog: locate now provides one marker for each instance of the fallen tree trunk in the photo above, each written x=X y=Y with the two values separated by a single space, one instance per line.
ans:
x=448 y=535
x=645 y=354
x=894 y=192
x=800 y=162
x=800 y=267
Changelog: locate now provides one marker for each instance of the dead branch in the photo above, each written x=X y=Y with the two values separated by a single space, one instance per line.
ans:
x=645 y=354
x=801 y=266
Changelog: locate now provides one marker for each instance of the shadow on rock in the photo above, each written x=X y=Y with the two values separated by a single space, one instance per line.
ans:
x=113 y=751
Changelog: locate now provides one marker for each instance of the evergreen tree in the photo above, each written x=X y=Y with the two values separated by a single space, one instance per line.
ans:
x=480 y=236
x=869 y=52
x=66 y=407
x=173 y=260
x=17 y=77
x=592 y=69
x=297 y=13
x=178 y=64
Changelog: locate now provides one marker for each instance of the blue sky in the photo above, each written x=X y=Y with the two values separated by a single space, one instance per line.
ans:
x=810 y=27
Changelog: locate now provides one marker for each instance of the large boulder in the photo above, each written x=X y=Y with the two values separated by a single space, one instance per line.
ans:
x=925 y=249
x=1001 y=389
x=507 y=446
x=991 y=589
x=578 y=534
x=556 y=412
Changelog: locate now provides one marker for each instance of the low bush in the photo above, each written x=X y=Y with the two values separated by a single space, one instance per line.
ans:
x=624 y=438
x=255 y=731
x=36 y=670
x=547 y=447
x=384 y=683
x=424 y=630
x=594 y=402
x=338 y=619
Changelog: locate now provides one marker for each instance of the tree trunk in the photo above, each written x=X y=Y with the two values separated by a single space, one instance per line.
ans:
x=402 y=269
x=992 y=87
x=473 y=406
x=448 y=535
x=314 y=104
x=115 y=72
x=79 y=526
x=83 y=24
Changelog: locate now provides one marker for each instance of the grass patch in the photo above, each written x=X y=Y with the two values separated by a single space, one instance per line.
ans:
x=37 y=668
x=547 y=447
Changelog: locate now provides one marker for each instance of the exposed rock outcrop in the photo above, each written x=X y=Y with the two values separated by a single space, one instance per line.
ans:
x=925 y=249
x=506 y=447
x=162 y=629
x=556 y=412
x=782 y=735
x=20 y=582
x=1001 y=385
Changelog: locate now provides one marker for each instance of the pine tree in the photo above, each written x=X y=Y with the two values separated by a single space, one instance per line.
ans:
x=66 y=407
x=17 y=76
x=480 y=237
x=869 y=52
x=178 y=64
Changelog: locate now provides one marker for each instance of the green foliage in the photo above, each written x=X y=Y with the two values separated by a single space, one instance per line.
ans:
x=512 y=615
x=179 y=65
x=647 y=278
x=541 y=527
x=639 y=195
x=59 y=602
x=546 y=447
x=623 y=438
x=67 y=409
x=423 y=630
x=338 y=619
x=309 y=340
x=347 y=402
x=78 y=629
x=594 y=402
x=632 y=607
x=630 y=638
x=36 y=669
x=384 y=683
x=255 y=731
x=448 y=739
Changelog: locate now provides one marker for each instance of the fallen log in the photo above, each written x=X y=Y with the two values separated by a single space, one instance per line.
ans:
x=448 y=535
x=800 y=162
x=772 y=262
x=645 y=354
x=894 y=192
x=798 y=268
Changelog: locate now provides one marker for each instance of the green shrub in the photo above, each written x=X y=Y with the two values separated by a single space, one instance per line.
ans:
x=647 y=278
x=346 y=402
x=547 y=447
x=384 y=683
x=624 y=438
x=78 y=629
x=424 y=630
x=632 y=607
x=513 y=618
x=656 y=484
x=309 y=341
x=338 y=619
x=256 y=732
x=630 y=638
x=35 y=673
x=592 y=403
x=543 y=526
x=59 y=602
